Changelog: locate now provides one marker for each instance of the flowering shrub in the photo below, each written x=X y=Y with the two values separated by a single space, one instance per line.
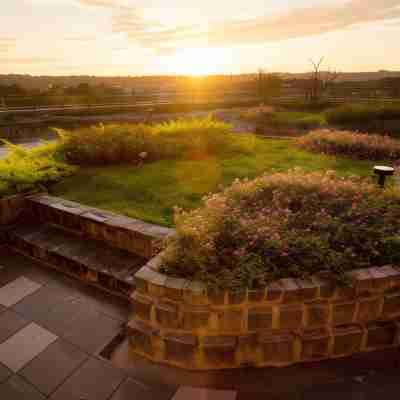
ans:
x=115 y=144
x=355 y=145
x=285 y=225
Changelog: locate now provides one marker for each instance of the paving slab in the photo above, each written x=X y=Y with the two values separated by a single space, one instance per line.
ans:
x=132 y=390
x=5 y=373
x=191 y=393
x=95 y=380
x=16 y=290
x=25 y=345
x=59 y=361
x=91 y=330
x=17 y=388
x=10 y=323
x=38 y=304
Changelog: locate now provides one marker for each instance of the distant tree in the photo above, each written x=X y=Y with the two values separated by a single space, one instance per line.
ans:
x=320 y=82
x=268 y=85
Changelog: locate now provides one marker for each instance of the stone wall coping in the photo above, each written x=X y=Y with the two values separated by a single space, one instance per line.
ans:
x=365 y=282
x=102 y=216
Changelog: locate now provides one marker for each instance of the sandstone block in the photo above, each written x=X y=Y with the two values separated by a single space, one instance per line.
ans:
x=369 y=309
x=277 y=349
x=343 y=312
x=381 y=335
x=315 y=345
x=391 y=306
x=291 y=317
x=167 y=315
x=180 y=349
x=317 y=315
x=260 y=318
x=231 y=320
x=196 y=317
x=347 y=340
x=219 y=350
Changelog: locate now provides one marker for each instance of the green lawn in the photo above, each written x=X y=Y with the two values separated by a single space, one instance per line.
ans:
x=150 y=192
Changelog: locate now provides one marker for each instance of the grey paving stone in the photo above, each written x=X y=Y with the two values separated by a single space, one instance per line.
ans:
x=38 y=304
x=5 y=373
x=59 y=360
x=61 y=316
x=95 y=380
x=91 y=330
x=25 y=345
x=186 y=393
x=17 y=389
x=10 y=323
x=130 y=390
x=15 y=291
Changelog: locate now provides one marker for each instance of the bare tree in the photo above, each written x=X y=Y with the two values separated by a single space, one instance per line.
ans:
x=319 y=82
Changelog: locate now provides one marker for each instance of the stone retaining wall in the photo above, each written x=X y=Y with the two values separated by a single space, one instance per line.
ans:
x=11 y=208
x=126 y=233
x=181 y=323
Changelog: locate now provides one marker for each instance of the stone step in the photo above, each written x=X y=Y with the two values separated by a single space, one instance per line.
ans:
x=95 y=262
x=129 y=234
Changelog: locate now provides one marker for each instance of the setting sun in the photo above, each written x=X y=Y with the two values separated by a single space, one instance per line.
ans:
x=199 y=61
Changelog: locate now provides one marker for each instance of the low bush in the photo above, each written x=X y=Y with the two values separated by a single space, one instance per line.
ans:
x=267 y=117
x=29 y=170
x=116 y=144
x=362 y=114
x=351 y=144
x=285 y=225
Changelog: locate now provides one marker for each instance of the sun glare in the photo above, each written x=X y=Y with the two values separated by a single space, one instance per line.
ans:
x=199 y=62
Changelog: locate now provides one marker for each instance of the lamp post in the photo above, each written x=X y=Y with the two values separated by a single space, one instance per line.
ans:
x=383 y=172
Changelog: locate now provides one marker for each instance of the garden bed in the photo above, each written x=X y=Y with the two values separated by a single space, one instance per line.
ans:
x=185 y=324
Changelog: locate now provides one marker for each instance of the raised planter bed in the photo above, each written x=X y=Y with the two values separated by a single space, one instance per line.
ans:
x=181 y=323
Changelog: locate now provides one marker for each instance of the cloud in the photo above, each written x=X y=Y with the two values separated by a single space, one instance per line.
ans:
x=28 y=60
x=6 y=44
x=80 y=39
x=300 y=22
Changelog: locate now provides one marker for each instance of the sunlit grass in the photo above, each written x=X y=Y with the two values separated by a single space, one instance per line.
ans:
x=151 y=191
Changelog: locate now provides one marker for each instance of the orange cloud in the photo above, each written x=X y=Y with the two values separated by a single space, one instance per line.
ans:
x=296 y=23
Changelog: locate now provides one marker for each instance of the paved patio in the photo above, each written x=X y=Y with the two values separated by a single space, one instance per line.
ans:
x=52 y=330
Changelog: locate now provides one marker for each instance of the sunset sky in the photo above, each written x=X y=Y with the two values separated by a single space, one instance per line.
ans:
x=145 y=37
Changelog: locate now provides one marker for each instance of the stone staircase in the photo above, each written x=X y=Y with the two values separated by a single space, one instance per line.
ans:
x=101 y=248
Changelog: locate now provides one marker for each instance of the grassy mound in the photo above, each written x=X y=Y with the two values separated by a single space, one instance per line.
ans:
x=285 y=225
x=351 y=144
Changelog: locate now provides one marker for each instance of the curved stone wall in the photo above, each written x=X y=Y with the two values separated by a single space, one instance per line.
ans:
x=181 y=323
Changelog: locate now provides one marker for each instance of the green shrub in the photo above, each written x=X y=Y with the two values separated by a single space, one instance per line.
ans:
x=285 y=225
x=267 y=117
x=29 y=170
x=112 y=144
x=351 y=144
x=362 y=114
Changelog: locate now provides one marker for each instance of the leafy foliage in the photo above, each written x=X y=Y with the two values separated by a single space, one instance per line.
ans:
x=351 y=144
x=28 y=170
x=117 y=144
x=362 y=114
x=284 y=225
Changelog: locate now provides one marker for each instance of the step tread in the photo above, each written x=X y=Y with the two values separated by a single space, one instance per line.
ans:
x=93 y=254
x=102 y=216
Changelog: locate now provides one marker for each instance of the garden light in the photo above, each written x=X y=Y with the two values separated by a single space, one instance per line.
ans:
x=383 y=172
